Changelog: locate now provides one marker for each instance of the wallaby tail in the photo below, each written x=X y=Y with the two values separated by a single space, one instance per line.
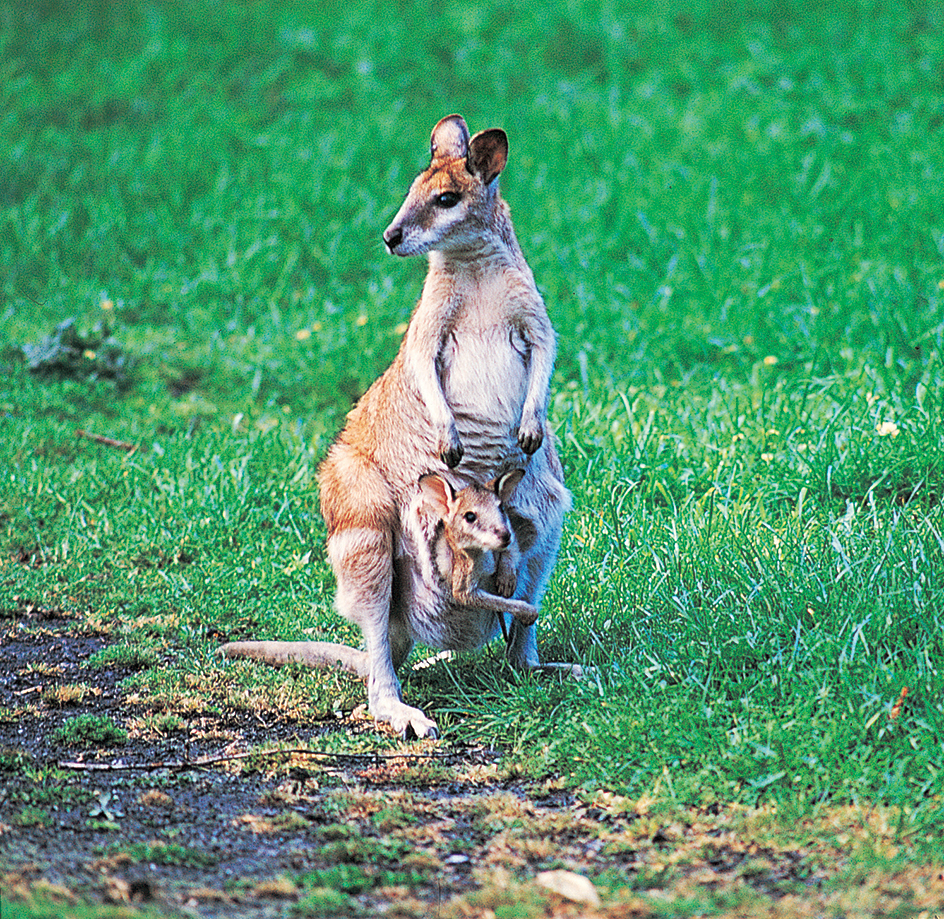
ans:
x=321 y=655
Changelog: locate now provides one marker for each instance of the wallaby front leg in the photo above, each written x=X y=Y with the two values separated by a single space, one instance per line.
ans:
x=506 y=571
x=534 y=410
x=424 y=344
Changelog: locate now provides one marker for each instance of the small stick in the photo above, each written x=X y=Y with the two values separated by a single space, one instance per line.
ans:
x=106 y=441
x=230 y=757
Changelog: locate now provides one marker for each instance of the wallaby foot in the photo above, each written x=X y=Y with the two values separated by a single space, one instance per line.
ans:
x=522 y=653
x=322 y=655
x=576 y=671
x=523 y=612
x=404 y=719
x=326 y=655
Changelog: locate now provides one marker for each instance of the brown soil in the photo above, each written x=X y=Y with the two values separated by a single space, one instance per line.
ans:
x=444 y=834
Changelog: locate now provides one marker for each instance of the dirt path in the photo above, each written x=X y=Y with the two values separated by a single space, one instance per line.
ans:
x=433 y=833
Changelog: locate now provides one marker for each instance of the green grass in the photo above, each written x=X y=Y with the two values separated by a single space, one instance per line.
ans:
x=163 y=854
x=54 y=905
x=132 y=656
x=734 y=213
x=90 y=731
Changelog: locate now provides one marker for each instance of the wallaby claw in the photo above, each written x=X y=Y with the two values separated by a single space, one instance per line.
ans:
x=505 y=583
x=410 y=733
x=452 y=455
x=530 y=439
x=410 y=722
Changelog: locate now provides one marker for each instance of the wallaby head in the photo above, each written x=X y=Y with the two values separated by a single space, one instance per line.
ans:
x=451 y=205
x=473 y=517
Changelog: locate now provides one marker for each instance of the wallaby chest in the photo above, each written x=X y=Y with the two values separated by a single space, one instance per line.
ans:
x=484 y=362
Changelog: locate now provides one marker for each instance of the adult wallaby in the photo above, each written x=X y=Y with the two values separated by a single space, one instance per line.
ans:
x=465 y=398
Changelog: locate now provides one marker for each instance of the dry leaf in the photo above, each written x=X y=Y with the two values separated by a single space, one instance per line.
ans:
x=570 y=886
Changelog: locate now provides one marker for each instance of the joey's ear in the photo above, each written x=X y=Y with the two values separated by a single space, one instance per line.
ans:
x=450 y=137
x=506 y=485
x=437 y=492
x=488 y=154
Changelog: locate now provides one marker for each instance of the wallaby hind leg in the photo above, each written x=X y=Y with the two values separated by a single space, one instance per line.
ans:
x=480 y=599
x=361 y=517
x=364 y=595
x=522 y=649
x=540 y=502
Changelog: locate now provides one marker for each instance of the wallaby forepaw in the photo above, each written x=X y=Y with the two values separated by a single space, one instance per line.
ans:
x=450 y=448
x=505 y=583
x=452 y=457
x=530 y=437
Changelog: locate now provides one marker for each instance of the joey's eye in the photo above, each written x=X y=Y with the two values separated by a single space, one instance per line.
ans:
x=447 y=199
x=470 y=517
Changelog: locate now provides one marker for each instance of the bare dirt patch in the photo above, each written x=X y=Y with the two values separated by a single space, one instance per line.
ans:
x=425 y=830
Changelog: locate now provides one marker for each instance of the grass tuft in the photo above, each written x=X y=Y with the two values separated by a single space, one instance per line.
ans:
x=90 y=731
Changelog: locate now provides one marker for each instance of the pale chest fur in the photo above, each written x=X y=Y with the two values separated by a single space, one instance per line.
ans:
x=483 y=366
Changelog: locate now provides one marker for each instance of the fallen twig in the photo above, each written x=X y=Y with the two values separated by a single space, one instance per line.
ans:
x=205 y=761
x=106 y=441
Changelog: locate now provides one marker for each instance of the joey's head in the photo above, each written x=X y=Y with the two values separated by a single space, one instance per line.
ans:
x=473 y=518
x=451 y=205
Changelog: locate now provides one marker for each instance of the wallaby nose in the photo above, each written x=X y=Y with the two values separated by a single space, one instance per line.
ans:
x=393 y=236
x=504 y=538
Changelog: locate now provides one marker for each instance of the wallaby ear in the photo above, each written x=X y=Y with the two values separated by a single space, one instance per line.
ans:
x=506 y=485
x=437 y=492
x=488 y=154
x=450 y=137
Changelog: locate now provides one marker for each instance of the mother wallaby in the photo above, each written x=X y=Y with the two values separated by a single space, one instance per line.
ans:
x=466 y=397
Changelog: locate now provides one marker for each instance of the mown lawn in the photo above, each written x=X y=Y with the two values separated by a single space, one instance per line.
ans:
x=734 y=213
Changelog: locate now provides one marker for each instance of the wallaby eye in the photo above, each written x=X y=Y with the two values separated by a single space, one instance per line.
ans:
x=447 y=199
x=470 y=517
